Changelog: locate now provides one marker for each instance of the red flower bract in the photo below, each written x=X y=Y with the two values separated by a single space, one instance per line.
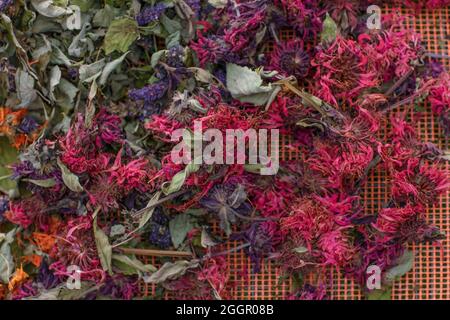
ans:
x=76 y=246
x=340 y=166
x=390 y=221
x=336 y=248
x=342 y=72
x=82 y=144
x=419 y=183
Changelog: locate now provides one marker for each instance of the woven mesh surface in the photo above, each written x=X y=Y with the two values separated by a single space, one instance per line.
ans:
x=430 y=276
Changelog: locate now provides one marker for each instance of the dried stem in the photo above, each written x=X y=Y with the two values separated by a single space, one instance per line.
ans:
x=399 y=82
x=156 y=253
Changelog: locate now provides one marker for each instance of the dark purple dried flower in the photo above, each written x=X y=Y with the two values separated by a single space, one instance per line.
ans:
x=290 y=58
x=159 y=230
x=149 y=93
x=28 y=125
x=4 y=206
x=119 y=287
x=214 y=49
x=228 y=202
x=22 y=169
x=73 y=73
x=175 y=56
x=195 y=5
x=149 y=109
x=260 y=244
x=221 y=75
x=407 y=88
x=149 y=14
x=5 y=4
x=433 y=69
x=46 y=277
x=445 y=122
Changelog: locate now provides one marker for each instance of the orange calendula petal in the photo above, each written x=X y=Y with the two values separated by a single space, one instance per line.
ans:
x=19 y=277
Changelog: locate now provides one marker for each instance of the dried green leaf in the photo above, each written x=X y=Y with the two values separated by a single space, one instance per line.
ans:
x=206 y=240
x=131 y=265
x=103 y=17
x=179 y=179
x=90 y=72
x=121 y=34
x=55 y=78
x=179 y=228
x=69 y=294
x=247 y=86
x=171 y=271
x=48 y=8
x=220 y=4
x=109 y=68
x=329 y=30
x=7 y=266
x=382 y=294
x=25 y=88
x=8 y=155
x=104 y=249
x=149 y=211
x=403 y=265
x=156 y=57
x=70 y=179
x=84 y=5
x=47 y=183
x=66 y=94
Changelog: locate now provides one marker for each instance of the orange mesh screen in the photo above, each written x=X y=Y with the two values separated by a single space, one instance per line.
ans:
x=430 y=276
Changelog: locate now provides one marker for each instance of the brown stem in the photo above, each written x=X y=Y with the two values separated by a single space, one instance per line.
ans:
x=156 y=253
x=399 y=82
x=221 y=253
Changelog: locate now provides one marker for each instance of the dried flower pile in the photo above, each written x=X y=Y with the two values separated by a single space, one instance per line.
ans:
x=92 y=91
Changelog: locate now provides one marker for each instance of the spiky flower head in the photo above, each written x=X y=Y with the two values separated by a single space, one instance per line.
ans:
x=290 y=58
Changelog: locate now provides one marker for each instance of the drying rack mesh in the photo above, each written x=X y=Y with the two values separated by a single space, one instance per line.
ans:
x=430 y=276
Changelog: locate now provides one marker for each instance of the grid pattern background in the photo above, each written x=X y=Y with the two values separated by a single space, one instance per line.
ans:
x=430 y=276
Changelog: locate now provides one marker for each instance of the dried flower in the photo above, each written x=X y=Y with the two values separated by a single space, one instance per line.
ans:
x=420 y=184
x=209 y=49
x=150 y=13
x=4 y=4
x=149 y=93
x=46 y=276
x=342 y=72
x=86 y=135
x=440 y=100
x=76 y=246
x=18 y=278
x=260 y=241
x=215 y=272
x=159 y=234
x=175 y=56
x=4 y=206
x=119 y=287
x=304 y=16
x=344 y=13
x=229 y=203
x=391 y=220
x=195 y=5
x=290 y=58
